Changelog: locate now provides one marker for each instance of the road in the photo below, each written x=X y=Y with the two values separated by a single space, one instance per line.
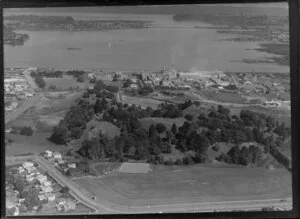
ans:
x=21 y=109
x=105 y=207
x=28 y=103
x=77 y=192
x=29 y=79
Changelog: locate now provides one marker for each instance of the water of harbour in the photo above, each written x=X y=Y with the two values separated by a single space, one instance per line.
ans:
x=168 y=43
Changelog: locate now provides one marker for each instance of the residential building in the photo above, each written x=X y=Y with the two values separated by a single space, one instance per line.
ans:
x=50 y=196
x=57 y=155
x=27 y=164
x=72 y=165
x=42 y=197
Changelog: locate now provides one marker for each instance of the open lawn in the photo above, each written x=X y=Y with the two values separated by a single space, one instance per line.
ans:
x=63 y=83
x=168 y=122
x=188 y=184
x=105 y=167
x=30 y=144
x=141 y=101
x=222 y=97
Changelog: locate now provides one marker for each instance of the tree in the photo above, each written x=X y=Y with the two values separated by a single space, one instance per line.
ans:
x=160 y=127
x=76 y=132
x=40 y=81
x=188 y=160
x=234 y=154
x=178 y=162
x=169 y=162
x=60 y=133
x=26 y=131
x=80 y=78
x=188 y=117
x=174 y=129
x=65 y=189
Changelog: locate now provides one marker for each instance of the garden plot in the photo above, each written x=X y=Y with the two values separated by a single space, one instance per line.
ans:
x=135 y=168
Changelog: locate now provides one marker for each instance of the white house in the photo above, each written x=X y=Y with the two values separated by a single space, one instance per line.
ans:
x=41 y=178
x=133 y=86
x=46 y=183
x=31 y=169
x=60 y=161
x=47 y=189
x=29 y=178
x=27 y=164
x=72 y=165
x=57 y=155
x=21 y=169
x=48 y=153
x=133 y=80
x=42 y=197
x=50 y=196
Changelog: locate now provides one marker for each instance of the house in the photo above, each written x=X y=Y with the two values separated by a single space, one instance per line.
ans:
x=60 y=161
x=46 y=189
x=42 y=197
x=27 y=164
x=134 y=80
x=41 y=177
x=70 y=205
x=21 y=200
x=29 y=178
x=58 y=208
x=46 y=183
x=17 y=212
x=72 y=165
x=9 y=203
x=21 y=169
x=48 y=154
x=31 y=169
x=57 y=155
x=50 y=196
x=133 y=86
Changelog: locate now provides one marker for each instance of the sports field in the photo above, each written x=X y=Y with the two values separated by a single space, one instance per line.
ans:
x=190 y=184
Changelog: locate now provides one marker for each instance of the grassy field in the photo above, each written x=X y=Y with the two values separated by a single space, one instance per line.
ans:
x=223 y=97
x=143 y=102
x=198 y=183
x=104 y=167
x=30 y=144
x=63 y=83
x=168 y=122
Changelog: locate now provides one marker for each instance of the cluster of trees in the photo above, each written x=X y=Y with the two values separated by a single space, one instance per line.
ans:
x=244 y=156
x=39 y=80
x=100 y=85
x=73 y=124
x=169 y=93
x=79 y=75
x=47 y=74
x=26 y=130
x=169 y=110
x=196 y=134
x=282 y=159
x=144 y=91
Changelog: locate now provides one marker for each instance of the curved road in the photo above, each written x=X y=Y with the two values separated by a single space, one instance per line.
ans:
x=21 y=109
x=105 y=207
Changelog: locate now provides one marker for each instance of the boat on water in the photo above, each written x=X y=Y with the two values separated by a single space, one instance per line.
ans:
x=73 y=48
